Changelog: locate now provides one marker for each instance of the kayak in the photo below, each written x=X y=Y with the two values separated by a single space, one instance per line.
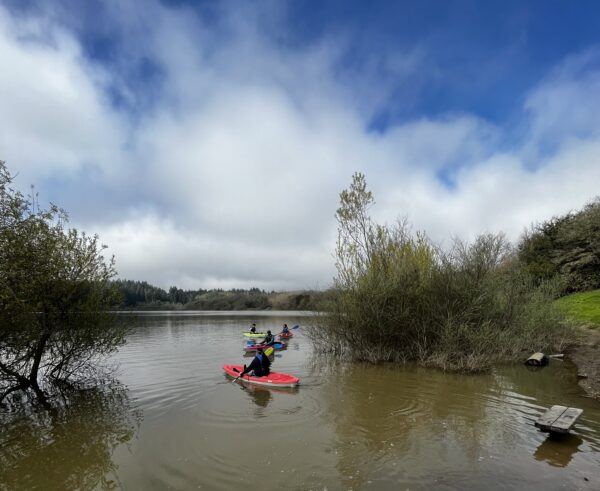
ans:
x=253 y=335
x=254 y=347
x=286 y=335
x=274 y=379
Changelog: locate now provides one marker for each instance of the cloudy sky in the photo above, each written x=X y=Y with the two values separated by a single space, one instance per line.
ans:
x=207 y=142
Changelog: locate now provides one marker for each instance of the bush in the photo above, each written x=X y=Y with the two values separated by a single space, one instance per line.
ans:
x=567 y=247
x=398 y=297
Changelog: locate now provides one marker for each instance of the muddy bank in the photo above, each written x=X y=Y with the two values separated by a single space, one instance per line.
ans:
x=586 y=355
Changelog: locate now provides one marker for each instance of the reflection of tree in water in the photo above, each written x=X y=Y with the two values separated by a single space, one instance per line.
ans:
x=69 y=446
x=404 y=417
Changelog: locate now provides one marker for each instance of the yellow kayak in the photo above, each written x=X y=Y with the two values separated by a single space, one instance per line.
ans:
x=254 y=335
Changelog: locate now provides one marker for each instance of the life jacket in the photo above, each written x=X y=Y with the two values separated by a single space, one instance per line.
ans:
x=264 y=365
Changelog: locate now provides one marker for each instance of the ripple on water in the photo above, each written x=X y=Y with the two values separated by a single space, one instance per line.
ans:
x=399 y=425
x=244 y=405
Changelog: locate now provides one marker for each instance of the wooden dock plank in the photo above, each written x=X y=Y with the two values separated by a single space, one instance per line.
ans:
x=546 y=420
x=566 y=420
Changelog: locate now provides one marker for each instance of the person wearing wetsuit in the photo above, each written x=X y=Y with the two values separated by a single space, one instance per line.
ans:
x=269 y=339
x=260 y=365
x=253 y=328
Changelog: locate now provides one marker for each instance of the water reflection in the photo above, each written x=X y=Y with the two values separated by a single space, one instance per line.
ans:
x=401 y=419
x=558 y=450
x=346 y=427
x=415 y=427
x=261 y=396
x=68 y=447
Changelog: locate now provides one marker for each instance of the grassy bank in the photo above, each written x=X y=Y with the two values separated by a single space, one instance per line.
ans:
x=582 y=307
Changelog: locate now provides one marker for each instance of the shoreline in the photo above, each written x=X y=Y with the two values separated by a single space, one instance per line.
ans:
x=586 y=356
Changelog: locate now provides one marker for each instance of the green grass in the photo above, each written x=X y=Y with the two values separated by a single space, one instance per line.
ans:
x=583 y=307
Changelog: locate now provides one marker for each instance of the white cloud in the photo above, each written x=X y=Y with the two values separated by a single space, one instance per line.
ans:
x=565 y=105
x=54 y=118
x=150 y=247
x=232 y=178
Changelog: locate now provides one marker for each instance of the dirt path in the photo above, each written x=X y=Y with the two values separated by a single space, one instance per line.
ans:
x=586 y=355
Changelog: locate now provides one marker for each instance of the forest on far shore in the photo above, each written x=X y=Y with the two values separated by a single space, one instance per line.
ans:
x=140 y=295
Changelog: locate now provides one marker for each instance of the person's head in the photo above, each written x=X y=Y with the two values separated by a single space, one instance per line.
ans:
x=285 y=325
x=268 y=332
x=253 y=324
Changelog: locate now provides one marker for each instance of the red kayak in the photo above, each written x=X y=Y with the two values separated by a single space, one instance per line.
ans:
x=274 y=379
x=286 y=335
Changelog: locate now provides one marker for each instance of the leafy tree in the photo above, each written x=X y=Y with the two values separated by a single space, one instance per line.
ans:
x=141 y=292
x=55 y=296
x=567 y=247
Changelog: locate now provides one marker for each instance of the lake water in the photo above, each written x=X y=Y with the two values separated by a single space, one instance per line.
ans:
x=177 y=422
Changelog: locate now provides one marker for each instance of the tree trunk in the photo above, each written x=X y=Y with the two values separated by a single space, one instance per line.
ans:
x=37 y=358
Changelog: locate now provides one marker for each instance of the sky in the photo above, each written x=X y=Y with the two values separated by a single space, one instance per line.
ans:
x=207 y=142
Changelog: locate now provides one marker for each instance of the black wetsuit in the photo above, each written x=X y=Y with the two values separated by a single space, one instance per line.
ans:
x=269 y=339
x=260 y=368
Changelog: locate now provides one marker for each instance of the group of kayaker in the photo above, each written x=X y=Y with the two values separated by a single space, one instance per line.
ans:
x=269 y=338
x=260 y=365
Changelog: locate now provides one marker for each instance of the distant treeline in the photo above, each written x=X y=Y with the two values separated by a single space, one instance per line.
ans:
x=140 y=295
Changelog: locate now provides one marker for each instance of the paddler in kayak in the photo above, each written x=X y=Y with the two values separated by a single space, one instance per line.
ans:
x=260 y=365
x=285 y=329
x=269 y=339
x=253 y=328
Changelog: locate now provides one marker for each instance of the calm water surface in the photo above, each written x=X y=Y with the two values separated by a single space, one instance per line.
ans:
x=177 y=422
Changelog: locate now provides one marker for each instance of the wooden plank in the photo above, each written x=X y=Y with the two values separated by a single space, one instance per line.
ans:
x=546 y=420
x=566 y=420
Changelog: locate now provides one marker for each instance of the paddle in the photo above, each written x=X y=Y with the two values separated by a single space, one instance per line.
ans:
x=240 y=374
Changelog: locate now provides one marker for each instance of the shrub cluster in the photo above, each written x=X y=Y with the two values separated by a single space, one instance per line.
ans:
x=567 y=247
x=398 y=297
